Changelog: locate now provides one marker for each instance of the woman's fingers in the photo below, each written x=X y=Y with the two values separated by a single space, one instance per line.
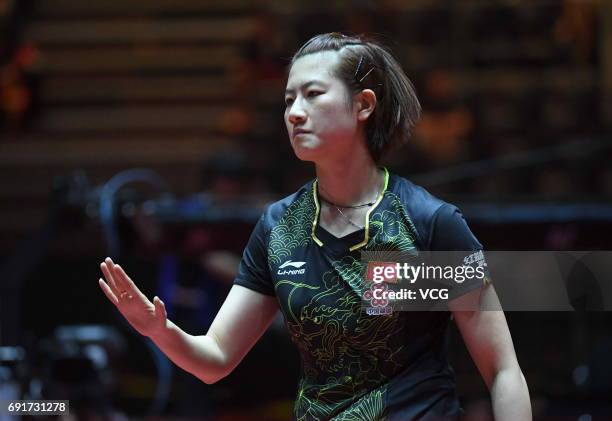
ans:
x=109 y=278
x=160 y=308
x=108 y=292
x=120 y=283
x=121 y=286
x=125 y=280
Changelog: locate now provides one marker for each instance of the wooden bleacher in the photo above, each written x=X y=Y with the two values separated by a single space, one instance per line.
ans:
x=123 y=85
x=147 y=82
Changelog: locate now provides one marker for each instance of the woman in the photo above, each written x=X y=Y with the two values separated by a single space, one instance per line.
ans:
x=347 y=103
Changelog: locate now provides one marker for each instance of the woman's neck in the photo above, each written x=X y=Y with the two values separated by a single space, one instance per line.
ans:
x=350 y=182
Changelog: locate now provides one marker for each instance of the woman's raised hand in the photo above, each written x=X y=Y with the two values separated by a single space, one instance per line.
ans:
x=148 y=318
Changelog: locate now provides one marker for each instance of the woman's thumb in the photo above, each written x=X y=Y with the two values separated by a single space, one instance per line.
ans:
x=160 y=308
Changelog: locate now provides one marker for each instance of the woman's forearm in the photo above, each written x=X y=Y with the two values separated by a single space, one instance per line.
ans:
x=510 y=396
x=199 y=355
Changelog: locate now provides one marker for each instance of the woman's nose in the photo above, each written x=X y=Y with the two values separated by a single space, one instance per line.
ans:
x=296 y=119
x=296 y=114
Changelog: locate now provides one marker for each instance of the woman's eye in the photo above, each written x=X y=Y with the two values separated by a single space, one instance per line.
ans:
x=309 y=94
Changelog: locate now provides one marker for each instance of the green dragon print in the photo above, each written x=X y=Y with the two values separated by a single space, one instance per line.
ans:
x=348 y=357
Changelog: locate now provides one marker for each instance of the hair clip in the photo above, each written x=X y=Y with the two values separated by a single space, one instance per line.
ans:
x=366 y=75
x=358 y=67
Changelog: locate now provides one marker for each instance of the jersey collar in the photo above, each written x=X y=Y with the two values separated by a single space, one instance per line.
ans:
x=366 y=236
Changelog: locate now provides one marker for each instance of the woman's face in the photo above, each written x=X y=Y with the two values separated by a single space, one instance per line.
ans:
x=320 y=122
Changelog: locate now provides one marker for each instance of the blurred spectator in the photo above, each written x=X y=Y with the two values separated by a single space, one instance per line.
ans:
x=252 y=165
x=446 y=123
x=18 y=86
x=14 y=97
x=18 y=69
x=577 y=25
x=264 y=57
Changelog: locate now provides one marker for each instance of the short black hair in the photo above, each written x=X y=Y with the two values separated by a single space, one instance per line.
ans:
x=367 y=64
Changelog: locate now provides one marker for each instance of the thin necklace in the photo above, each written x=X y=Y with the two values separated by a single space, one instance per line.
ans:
x=349 y=220
x=361 y=205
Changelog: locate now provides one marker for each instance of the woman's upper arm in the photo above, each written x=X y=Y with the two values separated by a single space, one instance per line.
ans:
x=485 y=332
x=243 y=318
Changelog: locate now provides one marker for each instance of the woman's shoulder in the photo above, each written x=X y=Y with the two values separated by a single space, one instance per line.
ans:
x=275 y=211
x=422 y=207
x=415 y=197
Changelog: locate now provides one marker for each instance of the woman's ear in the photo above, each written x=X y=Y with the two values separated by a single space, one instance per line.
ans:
x=366 y=102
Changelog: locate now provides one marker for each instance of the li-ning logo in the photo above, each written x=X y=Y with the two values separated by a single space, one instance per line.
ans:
x=296 y=271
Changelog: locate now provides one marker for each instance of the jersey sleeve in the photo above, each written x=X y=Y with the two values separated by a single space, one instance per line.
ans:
x=456 y=246
x=253 y=271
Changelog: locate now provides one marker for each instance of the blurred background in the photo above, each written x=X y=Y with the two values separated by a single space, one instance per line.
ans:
x=152 y=131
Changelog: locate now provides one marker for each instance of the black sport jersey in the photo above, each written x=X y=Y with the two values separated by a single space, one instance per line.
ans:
x=357 y=366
